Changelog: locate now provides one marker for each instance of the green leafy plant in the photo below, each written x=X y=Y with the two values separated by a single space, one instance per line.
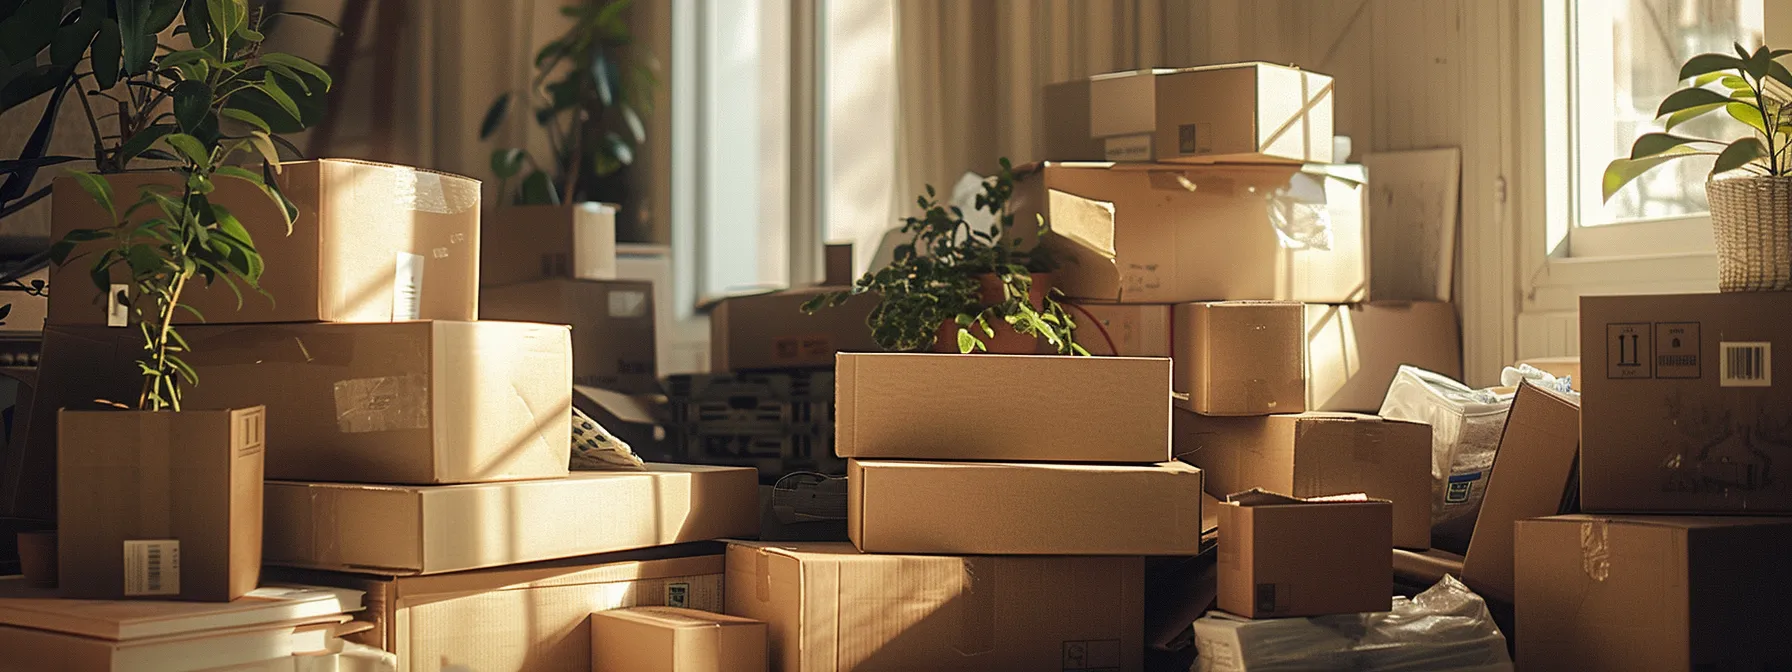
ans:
x=591 y=112
x=201 y=107
x=1753 y=88
x=935 y=278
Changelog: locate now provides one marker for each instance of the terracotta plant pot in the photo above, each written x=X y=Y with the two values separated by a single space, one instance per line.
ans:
x=37 y=557
x=1007 y=341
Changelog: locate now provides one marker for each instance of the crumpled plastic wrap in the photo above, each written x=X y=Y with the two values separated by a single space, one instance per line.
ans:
x=1466 y=425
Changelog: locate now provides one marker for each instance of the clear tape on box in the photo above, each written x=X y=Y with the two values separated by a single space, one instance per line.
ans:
x=1466 y=424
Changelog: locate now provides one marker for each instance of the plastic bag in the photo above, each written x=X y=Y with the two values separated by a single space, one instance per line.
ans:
x=1445 y=628
x=1466 y=425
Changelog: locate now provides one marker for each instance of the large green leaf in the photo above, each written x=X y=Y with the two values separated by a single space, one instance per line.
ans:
x=138 y=41
x=1689 y=114
x=1747 y=114
x=71 y=40
x=298 y=64
x=271 y=87
x=1685 y=98
x=506 y=163
x=493 y=116
x=198 y=23
x=106 y=55
x=1756 y=65
x=1621 y=172
x=142 y=140
x=1738 y=154
x=226 y=16
x=1655 y=143
x=191 y=148
x=538 y=189
x=603 y=76
x=192 y=99
x=30 y=28
x=246 y=117
x=97 y=188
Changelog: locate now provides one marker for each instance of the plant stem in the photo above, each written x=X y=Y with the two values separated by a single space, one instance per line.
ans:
x=1773 y=165
x=93 y=124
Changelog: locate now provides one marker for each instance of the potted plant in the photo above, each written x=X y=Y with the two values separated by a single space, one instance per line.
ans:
x=956 y=288
x=1750 y=185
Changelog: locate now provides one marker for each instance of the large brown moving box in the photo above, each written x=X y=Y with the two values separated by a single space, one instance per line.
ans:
x=1241 y=357
x=402 y=402
x=1318 y=454
x=520 y=243
x=1010 y=508
x=613 y=345
x=1353 y=351
x=1241 y=112
x=372 y=243
x=831 y=608
x=1532 y=476
x=1283 y=556
x=394 y=529
x=675 y=639
x=1687 y=410
x=939 y=406
x=1643 y=593
x=770 y=331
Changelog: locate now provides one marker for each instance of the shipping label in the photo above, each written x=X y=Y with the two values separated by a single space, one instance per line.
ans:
x=151 y=567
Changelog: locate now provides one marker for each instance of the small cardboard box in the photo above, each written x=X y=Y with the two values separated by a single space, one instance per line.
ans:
x=770 y=331
x=1353 y=351
x=530 y=242
x=1011 y=508
x=1687 y=410
x=372 y=243
x=1239 y=112
x=1241 y=357
x=1123 y=329
x=395 y=529
x=613 y=344
x=1078 y=409
x=1532 y=476
x=160 y=505
x=830 y=607
x=1285 y=556
x=1067 y=109
x=672 y=639
x=1620 y=593
x=401 y=402
x=1316 y=454
x=1160 y=233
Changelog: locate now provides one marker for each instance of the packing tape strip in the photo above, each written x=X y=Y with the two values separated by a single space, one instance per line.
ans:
x=418 y=190
x=1595 y=549
x=382 y=404
x=762 y=575
x=977 y=611
x=323 y=549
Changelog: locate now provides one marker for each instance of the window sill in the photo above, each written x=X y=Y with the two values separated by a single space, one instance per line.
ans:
x=1561 y=283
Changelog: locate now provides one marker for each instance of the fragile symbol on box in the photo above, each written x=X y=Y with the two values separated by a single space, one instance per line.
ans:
x=1625 y=345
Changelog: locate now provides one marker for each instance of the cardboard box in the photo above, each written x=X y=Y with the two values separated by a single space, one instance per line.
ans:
x=831 y=608
x=837 y=265
x=522 y=617
x=1078 y=409
x=530 y=242
x=1241 y=357
x=1157 y=233
x=770 y=331
x=1354 y=351
x=22 y=308
x=613 y=334
x=1285 y=556
x=1532 y=476
x=372 y=243
x=671 y=639
x=1122 y=329
x=1687 y=410
x=1612 y=593
x=1239 y=112
x=160 y=505
x=1317 y=454
x=1011 y=508
x=403 y=402
x=393 y=529
x=1067 y=107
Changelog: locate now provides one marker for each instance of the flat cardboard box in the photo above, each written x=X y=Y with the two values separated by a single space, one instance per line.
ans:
x=1241 y=357
x=1171 y=233
x=1532 y=476
x=1687 y=410
x=770 y=331
x=1239 y=112
x=1067 y=107
x=673 y=639
x=531 y=242
x=830 y=607
x=1620 y=593
x=393 y=529
x=1123 y=329
x=402 y=402
x=532 y=617
x=372 y=242
x=1283 y=556
x=1317 y=454
x=1012 y=508
x=1078 y=409
x=613 y=334
x=22 y=308
x=1353 y=351
x=160 y=505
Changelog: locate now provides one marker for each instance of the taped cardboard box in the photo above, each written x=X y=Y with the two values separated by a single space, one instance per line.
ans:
x=613 y=335
x=1163 y=233
x=1317 y=454
x=1620 y=593
x=770 y=331
x=1012 y=508
x=671 y=639
x=830 y=607
x=1240 y=357
x=531 y=242
x=392 y=529
x=372 y=242
x=1532 y=476
x=1123 y=329
x=1353 y=351
x=1078 y=409
x=1284 y=556
x=1687 y=410
x=1239 y=112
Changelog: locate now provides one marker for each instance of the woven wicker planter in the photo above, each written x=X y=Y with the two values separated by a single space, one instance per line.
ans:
x=1752 y=220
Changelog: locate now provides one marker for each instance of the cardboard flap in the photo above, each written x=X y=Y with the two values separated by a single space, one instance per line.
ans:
x=1261 y=497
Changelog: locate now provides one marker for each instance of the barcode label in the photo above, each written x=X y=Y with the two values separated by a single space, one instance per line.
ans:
x=407 y=287
x=152 y=567
x=1745 y=364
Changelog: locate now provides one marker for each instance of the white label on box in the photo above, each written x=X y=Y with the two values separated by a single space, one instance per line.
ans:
x=627 y=303
x=1745 y=364
x=1128 y=148
x=118 y=306
x=678 y=594
x=407 y=287
x=151 y=567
